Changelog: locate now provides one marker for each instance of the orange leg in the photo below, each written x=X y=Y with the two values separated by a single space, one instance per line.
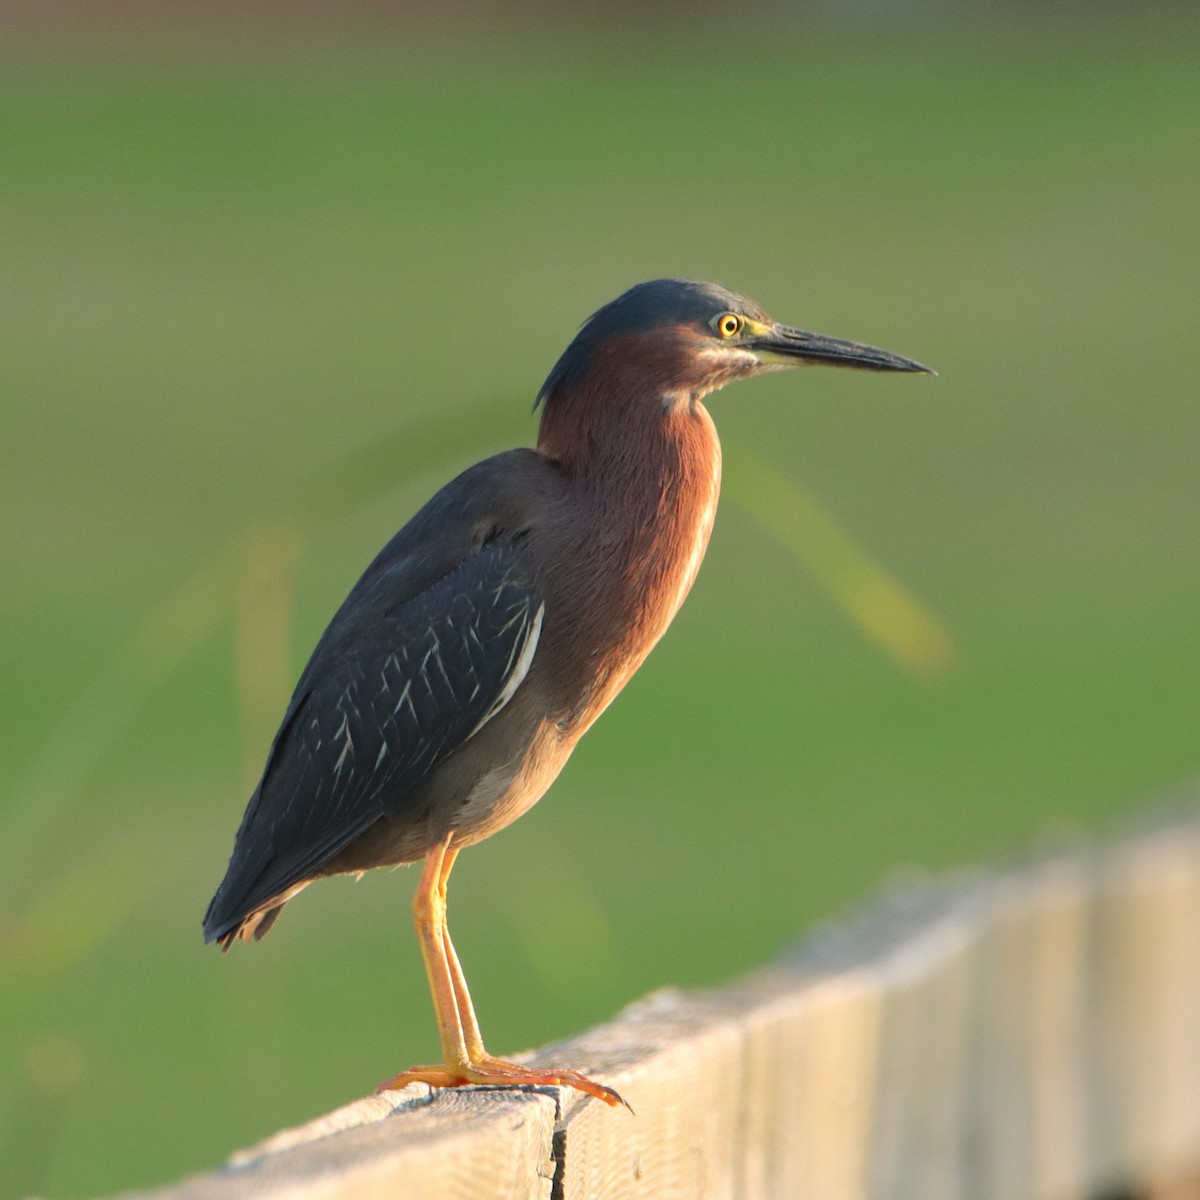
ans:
x=469 y=1023
x=466 y=1060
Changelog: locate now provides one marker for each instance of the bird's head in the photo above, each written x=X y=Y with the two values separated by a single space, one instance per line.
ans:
x=686 y=339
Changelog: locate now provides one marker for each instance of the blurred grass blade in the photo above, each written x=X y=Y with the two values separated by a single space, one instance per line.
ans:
x=426 y=443
x=79 y=910
x=876 y=602
x=262 y=627
x=106 y=707
x=37 y=1108
x=570 y=944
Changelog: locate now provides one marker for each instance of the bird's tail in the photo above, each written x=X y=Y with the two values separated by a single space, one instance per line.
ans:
x=253 y=925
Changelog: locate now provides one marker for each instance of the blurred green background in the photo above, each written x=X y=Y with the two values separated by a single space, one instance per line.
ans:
x=265 y=285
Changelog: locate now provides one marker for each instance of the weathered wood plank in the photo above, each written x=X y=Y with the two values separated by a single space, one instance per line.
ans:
x=1027 y=1036
x=485 y=1145
x=1147 y=980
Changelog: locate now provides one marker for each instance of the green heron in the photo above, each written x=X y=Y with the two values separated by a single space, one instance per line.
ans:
x=452 y=685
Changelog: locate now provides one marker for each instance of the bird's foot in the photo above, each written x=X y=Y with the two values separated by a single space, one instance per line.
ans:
x=498 y=1072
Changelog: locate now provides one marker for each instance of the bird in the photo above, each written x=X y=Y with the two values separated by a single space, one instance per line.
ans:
x=450 y=687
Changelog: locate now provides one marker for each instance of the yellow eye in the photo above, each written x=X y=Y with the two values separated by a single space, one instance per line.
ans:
x=728 y=324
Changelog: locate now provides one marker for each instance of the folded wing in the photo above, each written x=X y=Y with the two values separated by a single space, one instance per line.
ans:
x=403 y=676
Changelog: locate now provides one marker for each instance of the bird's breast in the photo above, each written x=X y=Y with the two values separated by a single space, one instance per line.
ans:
x=633 y=578
x=700 y=530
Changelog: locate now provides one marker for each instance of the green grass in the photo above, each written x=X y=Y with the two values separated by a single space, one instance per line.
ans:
x=228 y=276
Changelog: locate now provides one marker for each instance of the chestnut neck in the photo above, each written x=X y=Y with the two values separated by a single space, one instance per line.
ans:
x=617 y=422
x=642 y=465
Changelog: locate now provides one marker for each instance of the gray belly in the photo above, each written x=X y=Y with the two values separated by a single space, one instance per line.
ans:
x=478 y=790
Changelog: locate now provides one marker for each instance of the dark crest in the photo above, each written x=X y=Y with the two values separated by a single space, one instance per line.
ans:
x=645 y=306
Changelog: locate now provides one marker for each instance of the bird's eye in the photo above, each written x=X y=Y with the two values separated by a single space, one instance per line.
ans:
x=728 y=324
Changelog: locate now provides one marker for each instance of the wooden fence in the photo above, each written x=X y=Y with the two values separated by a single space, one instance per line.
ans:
x=1033 y=1035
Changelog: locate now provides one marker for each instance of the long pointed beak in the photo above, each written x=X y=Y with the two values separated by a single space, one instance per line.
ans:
x=784 y=346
